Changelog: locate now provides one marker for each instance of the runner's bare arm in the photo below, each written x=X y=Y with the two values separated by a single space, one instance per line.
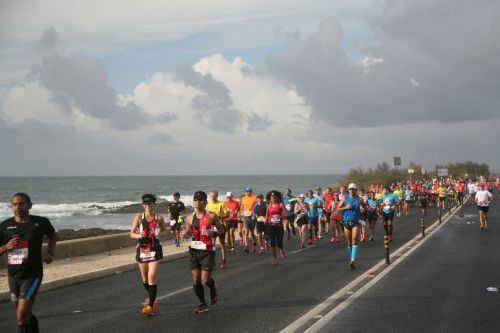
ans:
x=189 y=220
x=284 y=212
x=135 y=225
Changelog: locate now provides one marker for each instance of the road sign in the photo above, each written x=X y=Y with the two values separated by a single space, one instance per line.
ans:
x=397 y=160
x=442 y=172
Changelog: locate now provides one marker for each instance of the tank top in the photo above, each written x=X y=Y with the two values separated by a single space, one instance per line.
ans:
x=275 y=215
x=352 y=214
x=152 y=232
x=200 y=240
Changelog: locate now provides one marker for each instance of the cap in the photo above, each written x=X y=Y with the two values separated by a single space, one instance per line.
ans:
x=302 y=195
x=200 y=195
x=352 y=185
x=229 y=194
x=148 y=198
x=261 y=196
x=248 y=189
x=273 y=194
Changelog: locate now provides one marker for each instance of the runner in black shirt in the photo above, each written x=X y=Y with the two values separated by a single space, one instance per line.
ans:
x=21 y=238
x=176 y=212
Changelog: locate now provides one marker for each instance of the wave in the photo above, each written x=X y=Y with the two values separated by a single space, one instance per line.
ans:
x=68 y=209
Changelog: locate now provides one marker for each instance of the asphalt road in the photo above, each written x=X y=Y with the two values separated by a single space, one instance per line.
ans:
x=441 y=287
x=253 y=295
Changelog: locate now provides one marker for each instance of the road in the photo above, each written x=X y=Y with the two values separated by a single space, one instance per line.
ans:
x=253 y=295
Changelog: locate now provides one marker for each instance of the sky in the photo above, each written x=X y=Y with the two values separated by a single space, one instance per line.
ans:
x=246 y=87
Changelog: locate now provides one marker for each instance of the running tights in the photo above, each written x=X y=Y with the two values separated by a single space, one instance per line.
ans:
x=276 y=236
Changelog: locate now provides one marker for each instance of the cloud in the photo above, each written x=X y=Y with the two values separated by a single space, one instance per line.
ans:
x=258 y=123
x=215 y=103
x=414 y=42
x=80 y=82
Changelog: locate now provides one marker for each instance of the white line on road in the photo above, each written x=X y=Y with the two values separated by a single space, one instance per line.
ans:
x=327 y=317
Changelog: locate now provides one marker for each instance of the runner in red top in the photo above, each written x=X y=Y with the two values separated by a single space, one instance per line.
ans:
x=276 y=211
x=199 y=226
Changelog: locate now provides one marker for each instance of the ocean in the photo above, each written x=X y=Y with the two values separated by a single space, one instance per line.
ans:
x=89 y=202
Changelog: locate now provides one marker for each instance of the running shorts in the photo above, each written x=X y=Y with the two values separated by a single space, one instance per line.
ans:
x=302 y=220
x=349 y=225
x=249 y=223
x=201 y=259
x=483 y=208
x=24 y=288
x=261 y=227
x=387 y=216
x=313 y=220
x=233 y=224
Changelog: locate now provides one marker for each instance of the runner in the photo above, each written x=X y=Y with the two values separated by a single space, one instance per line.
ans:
x=301 y=209
x=398 y=192
x=336 y=217
x=328 y=196
x=389 y=202
x=148 y=228
x=373 y=211
x=220 y=209
x=248 y=201
x=21 y=237
x=483 y=198
x=408 y=195
x=289 y=200
x=350 y=205
x=176 y=212
x=232 y=220
x=442 y=192
x=321 y=213
x=312 y=223
x=423 y=197
x=276 y=211
x=259 y=212
x=200 y=225
x=362 y=216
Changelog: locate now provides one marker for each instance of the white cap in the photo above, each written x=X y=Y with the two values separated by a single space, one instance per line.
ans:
x=302 y=196
x=352 y=185
x=229 y=194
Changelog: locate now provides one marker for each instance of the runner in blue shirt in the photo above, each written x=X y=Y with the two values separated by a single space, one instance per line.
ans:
x=312 y=224
x=289 y=201
x=388 y=202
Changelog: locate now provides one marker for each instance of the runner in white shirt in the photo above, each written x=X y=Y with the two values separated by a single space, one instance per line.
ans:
x=483 y=198
x=471 y=188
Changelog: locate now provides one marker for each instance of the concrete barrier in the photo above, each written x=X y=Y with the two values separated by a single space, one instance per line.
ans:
x=86 y=246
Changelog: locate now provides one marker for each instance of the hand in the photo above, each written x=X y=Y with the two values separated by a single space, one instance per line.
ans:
x=144 y=234
x=14 y=243
x=48 y=258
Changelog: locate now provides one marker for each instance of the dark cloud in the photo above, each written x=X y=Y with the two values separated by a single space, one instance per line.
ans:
x=160 y=139
x=258 y=123
x=440 y=63
x=215 y=104
x=81 y=81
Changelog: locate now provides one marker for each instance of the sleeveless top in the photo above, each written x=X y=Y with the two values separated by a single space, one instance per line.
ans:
x=149 y=247
x=275 y=214
x=200 y=240
x=352 y=214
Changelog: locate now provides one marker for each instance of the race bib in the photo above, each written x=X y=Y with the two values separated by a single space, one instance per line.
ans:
x=173 y=222
x=288 y=207
x=247 y=213
x=18 y=256
x=261 y=219
x=198 y=245
x=146 y=254
x=275 y=220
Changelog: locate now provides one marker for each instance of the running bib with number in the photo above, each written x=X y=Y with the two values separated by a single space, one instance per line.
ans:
x=18 y=256
x=261 y=219
x=275 y=220
x=173 y=222
x=288 y=207
x=198 y=245
x=247 y=213
x=147 y=254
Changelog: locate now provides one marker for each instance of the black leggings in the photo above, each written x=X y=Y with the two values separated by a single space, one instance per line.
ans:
x=276 y=235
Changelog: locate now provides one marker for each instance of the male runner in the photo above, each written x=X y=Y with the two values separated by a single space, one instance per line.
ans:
x=176 y=211
x=220 y=209
x=483 y=198
x=289 y=201
x=388 y=202
x=232 y=220
x=200 y=225
x=247 y=204
x=21 y=237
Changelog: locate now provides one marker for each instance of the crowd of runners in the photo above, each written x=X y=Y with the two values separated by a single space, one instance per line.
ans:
x=261 y=222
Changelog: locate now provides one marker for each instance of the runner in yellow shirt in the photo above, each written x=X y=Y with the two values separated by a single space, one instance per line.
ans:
x=220 y=209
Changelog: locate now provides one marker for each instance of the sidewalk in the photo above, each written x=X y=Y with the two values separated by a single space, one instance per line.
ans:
x=63 y=272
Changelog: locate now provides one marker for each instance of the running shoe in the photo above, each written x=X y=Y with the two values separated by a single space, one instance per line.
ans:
x=231 y=250
x=302 y=246
x=241 y=242
x=201 y=308
x=223 y=264
x=283 y=254
x=332 y=239
x=315 y=238
x=352 y=264
x=245 y=249
x=213 y=297
x=175 y=241
x=363 y=239
x=274 y=262
x=485 y=224
x=371 y=239
x=254 y=248
x=310 y=242
x=261 y=251
x=149 y=310
x=319 y=236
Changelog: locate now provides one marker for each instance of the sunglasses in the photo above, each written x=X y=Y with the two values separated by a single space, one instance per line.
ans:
x=148 y=203
x=198 y=199
x=353 y=189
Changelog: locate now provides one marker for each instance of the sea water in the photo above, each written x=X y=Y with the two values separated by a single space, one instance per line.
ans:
x=87 y=202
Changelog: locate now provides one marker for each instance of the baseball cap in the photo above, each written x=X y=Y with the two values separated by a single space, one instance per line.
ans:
x=148 y=198
x=352 y=185
x=229 y=194
x=248 y=189
x=261 y=196
x=302 y=195
x=200 y=195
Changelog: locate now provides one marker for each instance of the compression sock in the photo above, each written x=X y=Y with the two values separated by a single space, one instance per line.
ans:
x=152 y=294
x=34 y=324
x=310 y=233
x=211 y=284
x=198 y=290
x=354 y=252
x=146 y=286
x=390 y=230
x=349 y=250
